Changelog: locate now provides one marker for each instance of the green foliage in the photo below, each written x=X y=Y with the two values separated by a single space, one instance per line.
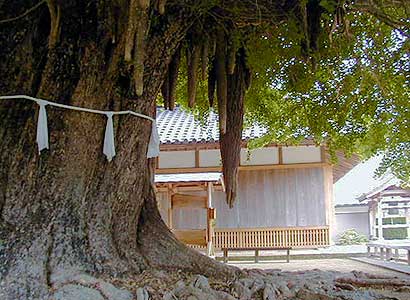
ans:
x=352 y=93
x=351 y=237
x=355 y=96
x=395 y=233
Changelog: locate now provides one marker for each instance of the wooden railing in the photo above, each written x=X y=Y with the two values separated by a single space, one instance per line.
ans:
x=295 y=237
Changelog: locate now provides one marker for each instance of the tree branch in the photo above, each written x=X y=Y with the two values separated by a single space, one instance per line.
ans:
x=376 y=9
x=23 y=14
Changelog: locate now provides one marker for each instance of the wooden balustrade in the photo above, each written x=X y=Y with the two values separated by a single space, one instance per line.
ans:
x=295 y=237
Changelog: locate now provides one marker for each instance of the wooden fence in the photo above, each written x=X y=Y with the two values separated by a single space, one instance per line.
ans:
x=295 y=237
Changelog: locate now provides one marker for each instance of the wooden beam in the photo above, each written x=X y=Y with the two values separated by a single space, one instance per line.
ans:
x=215 y=145
x=191 y=236
x=190 y=188
x=241 y=168
x=188 y=201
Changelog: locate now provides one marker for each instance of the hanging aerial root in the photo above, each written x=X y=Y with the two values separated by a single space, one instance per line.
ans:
x=173 y=71
x=169 y=85
x=136 y=34
x=55 y=22
x=165 y=91
x=131 y=28
x=161 y=6
x=211 y=83
x=221 y=79
x=232 y=49
x=204 y=58
x=231 y=140
x=193 y=55
x=139 y=48
x=310 y=18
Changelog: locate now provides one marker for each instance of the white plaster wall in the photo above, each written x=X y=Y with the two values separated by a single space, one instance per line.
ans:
x=301 y=154
x=261 y=156
x=176 y=159
x=210 y=158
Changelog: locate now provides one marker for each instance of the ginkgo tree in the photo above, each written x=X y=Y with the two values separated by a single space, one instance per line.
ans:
x=337 y=71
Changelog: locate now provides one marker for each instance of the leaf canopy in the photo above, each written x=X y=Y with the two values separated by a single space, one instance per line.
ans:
x=349 y=89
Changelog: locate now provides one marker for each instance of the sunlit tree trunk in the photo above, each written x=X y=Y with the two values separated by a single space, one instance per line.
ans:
x=68 y=209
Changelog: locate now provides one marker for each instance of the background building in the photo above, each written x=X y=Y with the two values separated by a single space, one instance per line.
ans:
x=285 y=193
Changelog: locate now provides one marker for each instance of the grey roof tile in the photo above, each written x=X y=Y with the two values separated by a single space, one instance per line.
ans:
x=180 y=127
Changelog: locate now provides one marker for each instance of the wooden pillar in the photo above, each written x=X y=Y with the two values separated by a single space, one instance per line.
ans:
x=408 y=257
x=382 y=253
x=389 y=254
x=210 y=221
x=407 y=214
x=380 y=219
x=280 y=155
x=372 y=220
x=170 y=192
x=329 y=207
x=256 y=255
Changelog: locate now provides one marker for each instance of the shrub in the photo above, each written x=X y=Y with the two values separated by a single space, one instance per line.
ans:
x=351 y=237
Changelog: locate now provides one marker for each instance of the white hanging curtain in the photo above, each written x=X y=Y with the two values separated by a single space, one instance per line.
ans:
x=153 y=146
x=109 y=146
x=42 y=127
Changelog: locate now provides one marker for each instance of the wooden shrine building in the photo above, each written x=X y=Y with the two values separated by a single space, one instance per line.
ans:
x=389 y=212
x=284 y=195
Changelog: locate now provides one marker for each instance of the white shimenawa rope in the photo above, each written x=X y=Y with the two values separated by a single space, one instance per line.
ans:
x=109 y=145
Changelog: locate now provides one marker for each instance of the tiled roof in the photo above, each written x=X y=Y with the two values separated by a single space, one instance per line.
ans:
x=188 y=177
x=180 y=127
x=391 y=184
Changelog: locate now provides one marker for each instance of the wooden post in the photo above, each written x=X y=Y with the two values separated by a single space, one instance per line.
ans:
x=280 y=155
x=380 y=219
x=329 y=207
x=196 y=158
x=372 y=221
x=170 y=225
x=382 y=253
x=408 y=257
x=225 y=255
x=388 y=254
x=210 y=222
x=256 y=255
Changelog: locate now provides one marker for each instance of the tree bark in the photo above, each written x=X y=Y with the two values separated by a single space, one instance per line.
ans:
x=68 y=210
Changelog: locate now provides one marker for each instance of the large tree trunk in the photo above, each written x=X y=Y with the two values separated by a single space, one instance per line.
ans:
x=68 y=210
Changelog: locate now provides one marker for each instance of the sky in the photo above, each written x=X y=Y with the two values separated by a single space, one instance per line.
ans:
x=358 y=181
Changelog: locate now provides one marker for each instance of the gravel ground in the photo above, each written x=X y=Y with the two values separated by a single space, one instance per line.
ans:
x=341 y=265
